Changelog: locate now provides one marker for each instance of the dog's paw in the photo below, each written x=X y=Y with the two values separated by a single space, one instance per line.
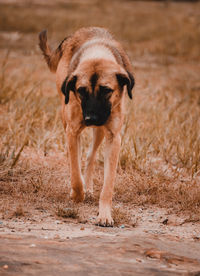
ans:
x=77 y=196
x=105 y=221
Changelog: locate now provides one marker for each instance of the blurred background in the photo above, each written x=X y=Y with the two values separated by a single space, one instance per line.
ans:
x=161 y=134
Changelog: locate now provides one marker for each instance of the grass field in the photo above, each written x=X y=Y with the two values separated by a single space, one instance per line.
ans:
x=160 y=154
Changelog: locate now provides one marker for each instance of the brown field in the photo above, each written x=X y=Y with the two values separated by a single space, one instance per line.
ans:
x=160 y=154
x=156 y=204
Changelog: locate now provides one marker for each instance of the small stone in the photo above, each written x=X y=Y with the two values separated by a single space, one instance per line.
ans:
x=62 y=240
x=165 y=221
x=122 y=226
x=56 y=237
x=5 y=266
x=32 y=245
x=83 y=221
x=82 y=228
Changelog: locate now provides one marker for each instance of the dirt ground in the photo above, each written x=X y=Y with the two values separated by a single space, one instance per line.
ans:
x=155 y=243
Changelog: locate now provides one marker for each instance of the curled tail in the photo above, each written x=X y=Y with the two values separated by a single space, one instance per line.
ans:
x=52 y=57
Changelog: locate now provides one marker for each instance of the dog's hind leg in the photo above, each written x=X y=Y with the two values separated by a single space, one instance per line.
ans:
x=98 y=135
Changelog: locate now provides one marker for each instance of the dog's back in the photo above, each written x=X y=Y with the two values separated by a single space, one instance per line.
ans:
x=78 y=46
x=70 y=44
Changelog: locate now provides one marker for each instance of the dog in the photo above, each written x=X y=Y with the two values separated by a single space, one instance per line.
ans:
x=93 y=74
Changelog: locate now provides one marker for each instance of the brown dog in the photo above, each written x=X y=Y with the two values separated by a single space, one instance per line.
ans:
x=92 y=74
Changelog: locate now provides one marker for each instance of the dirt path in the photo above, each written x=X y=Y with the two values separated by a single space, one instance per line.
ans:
x=44 y=245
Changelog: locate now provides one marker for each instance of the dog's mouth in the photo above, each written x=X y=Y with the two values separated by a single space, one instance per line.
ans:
x=93 y=120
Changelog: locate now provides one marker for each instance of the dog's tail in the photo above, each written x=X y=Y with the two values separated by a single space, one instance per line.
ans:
x=52 y=57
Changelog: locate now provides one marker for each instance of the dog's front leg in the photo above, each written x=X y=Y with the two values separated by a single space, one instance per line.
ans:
x=112 y=148
x=98 y=135
x=77 y=189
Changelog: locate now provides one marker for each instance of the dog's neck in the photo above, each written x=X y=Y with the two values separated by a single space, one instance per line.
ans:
x=93 y=49
x=98 y=51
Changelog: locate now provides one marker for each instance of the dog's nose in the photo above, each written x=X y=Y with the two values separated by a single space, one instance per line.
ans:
x=90 y=119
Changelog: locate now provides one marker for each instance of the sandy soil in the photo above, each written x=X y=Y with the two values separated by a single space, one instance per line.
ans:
x=155 y=244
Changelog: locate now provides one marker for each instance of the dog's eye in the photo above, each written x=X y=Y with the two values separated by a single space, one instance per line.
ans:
x=105 y=90
x=82 y=91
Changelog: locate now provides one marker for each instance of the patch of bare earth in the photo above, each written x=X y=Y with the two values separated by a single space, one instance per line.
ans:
x=155 y=244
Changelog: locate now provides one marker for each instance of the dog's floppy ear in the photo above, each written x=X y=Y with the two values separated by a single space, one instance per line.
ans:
x=67 y=86
x=127 y=80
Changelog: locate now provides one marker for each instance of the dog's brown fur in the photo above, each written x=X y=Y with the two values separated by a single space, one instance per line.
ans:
x=91 y=51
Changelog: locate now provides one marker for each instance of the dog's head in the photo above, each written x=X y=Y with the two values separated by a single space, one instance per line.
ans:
x=98 y=87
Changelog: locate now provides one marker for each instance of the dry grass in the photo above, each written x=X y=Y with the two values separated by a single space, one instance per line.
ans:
x=19 y=212
x=120 y=216
x=160 y=155
x=67 y=212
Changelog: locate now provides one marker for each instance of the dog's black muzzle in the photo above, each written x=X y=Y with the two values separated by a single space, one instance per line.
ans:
x=95 y=111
